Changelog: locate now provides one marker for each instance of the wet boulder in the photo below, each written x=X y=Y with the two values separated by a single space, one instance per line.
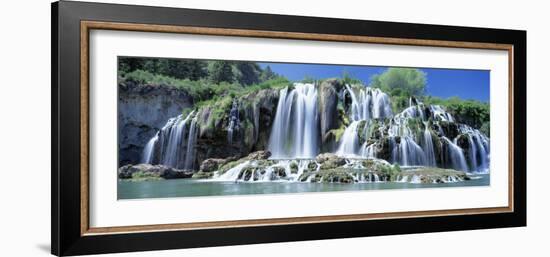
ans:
x=259 y=155
x=212 y=164
x=148 y=171
x=328 y=102
x=330 y=161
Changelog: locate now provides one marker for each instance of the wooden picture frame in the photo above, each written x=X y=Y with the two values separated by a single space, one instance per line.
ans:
x=71 y=25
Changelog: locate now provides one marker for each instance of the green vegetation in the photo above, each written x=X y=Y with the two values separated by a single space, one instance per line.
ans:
x=401 y=81
x=203 y=91
x=215 y=83
x=216 y=72
x=218 y=109
x=471 y=112
x=175 y=68
x=219 y=72
x=391 y=171
x=400 y=84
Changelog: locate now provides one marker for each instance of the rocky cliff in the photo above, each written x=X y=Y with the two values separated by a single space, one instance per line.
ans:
x=256 y=111
x=142 y=111
x=146 y=109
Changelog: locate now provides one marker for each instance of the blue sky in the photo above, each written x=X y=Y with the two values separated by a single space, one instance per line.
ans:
x=466 y=84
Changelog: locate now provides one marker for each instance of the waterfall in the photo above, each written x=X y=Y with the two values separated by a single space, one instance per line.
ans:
x=483 y=152
x=409 y=153
x=250 y=171
x=370 y=104
x=428 y=147
x=295 y=129
x=173 y=134
x=173 y=145
x=368 y=151
x=409 y=138
x=438 y=113
x=458 y=161
x=233 y=173
x=478 y=149
x=190 y=153
x=473 y=153
x=234 y=122
x=148 y=151
x=349 y=141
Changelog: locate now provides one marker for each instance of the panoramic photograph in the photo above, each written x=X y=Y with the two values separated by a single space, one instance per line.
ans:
x=193 y=127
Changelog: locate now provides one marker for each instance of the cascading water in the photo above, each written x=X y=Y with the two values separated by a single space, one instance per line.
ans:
x=173 y=145
x=438 y=113
x=148 y=151
x=349 y=141
x=190 y=153
x=233 y=173
x=295 y=129
x=234 y=122
x=458 y=161
x=478 y=149
x=368 y=151
x=428 y=147
x=370 y=104
x=408 y=153
x=250 y=171
x=173 y=135
x=414 y=137
x=417 y=148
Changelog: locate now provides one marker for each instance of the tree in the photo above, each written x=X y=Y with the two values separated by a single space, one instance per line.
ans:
x=129 y=64
x=220 y=71
x=401 y=81
x=267 y=74
x=175 y=68
x=248 y=73
x=474 y=113
x=197 y=69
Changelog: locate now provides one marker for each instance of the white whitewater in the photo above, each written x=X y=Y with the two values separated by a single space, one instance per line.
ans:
x=148 y=151
x=408 y=153
x=418 y=149
x=478 y=149
x=457 y=156
x=414 y=136
x=428 y=147
x=173 y=133
x=371 y=103
x=190 y=153
x=174 y=143
x=232 y=174
x=253 y=174
x=234 y=121
x=295 y=128
x=349 y=141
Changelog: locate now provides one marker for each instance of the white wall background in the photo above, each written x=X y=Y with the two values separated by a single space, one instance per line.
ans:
x=25 y=127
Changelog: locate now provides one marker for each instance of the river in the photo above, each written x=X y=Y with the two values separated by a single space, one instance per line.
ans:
x=196 y=187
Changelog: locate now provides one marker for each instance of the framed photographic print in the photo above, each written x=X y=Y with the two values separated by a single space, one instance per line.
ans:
x=178 y=128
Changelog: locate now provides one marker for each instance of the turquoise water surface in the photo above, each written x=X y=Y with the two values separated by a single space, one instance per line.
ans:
x=195 y=187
